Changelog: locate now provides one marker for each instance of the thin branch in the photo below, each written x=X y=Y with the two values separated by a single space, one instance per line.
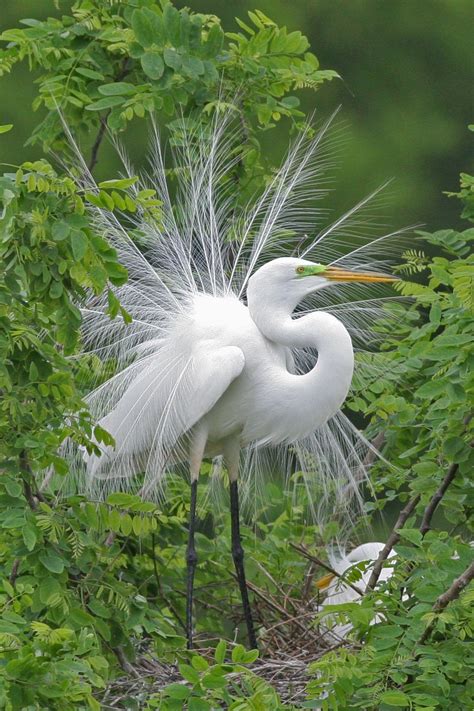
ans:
x=436 y=498
x=14 y=573
x=451 y=594
x=124 y=663
x=438 y=495
x=275 y=606
x=103 y=120
x=304 y=551
x=98 y=140
x=392 y=540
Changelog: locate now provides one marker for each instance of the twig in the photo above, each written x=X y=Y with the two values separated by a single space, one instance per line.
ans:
x=275 y=606
x=14 y=573
x=308 y=581
x=392 y=540
x=124 y=663
x=438 y=495
x=301 y=549
x=103 y=121
x=452 y=593
x=98 y=140
x=436 y=498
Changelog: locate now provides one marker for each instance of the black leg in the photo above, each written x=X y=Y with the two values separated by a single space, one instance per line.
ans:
x=191 y=560
x=238 y=556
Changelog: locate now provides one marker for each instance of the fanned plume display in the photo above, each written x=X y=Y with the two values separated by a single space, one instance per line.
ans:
x=206 y=246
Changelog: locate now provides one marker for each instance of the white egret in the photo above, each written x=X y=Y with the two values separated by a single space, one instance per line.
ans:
x=215 y=362
x=338 y=591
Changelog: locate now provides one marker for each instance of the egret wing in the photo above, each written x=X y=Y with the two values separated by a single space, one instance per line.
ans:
x=160 y=401
x=212 y=373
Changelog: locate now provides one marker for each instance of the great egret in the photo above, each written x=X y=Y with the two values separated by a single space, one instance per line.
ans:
x=214 y=361
x=338 y=591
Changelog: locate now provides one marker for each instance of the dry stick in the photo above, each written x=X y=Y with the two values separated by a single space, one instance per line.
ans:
x=275 y=606
x=301 y=549
x=308 y=581
x=392 y=540
x=124 y=663
x=452 y=593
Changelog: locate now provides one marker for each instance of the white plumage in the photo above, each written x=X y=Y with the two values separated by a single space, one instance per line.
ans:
x=214 y=360
x=237 y=350
x=338 y=592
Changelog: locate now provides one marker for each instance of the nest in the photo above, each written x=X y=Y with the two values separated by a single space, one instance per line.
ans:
x=288 y=638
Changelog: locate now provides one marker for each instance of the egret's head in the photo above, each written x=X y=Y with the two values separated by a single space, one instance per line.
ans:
x=291 y=279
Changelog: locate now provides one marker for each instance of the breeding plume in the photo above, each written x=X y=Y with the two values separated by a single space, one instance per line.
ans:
x=238 y=350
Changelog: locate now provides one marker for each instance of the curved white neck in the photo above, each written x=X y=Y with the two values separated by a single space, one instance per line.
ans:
x=321 y=391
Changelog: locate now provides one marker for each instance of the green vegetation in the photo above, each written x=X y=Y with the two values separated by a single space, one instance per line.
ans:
x=92 y=591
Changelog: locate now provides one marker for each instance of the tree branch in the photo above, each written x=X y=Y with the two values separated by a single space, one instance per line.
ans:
x=436 y=498
x=392 y=540
x=438 y=495
x=98 y=140
x=103 y=120
x=451 y=594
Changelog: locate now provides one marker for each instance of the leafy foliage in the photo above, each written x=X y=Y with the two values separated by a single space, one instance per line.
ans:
x=83 y=585
x=419 y=657
x=229 y=683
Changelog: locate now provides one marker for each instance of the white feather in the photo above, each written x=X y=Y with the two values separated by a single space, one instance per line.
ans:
x=188 y=284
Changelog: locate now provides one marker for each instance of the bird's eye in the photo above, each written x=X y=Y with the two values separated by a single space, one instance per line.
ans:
x=300 y=270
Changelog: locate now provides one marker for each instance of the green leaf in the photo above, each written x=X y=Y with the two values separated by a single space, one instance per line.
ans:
x=90 y=73
x=51 y=561
x=117 y=88
x=29 y=536
x=188 y=673
x=153 y=65
x=121 y=184
x=98 y=608
x=106 y=103
x=147 y=27
x=238 y=653
x=177 y=691
x=196 y=704
x=120 y=498
x=142 y=28
x=172 y=24
x=221 y=649
x=172 y=58
x=395 y=698
x=60 y=231
x=199 y=663
x=214 y=41
x=79 y=244
x=126 y=524
x=411 y=534
x=49 y=586
x=13 y=488
x=6 y=127
x=192 y=66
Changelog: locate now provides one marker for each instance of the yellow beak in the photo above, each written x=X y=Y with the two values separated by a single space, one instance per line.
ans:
x=325 y=581
x=337 y=274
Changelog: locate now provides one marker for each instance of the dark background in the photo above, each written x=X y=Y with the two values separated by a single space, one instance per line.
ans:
x=406 y=93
